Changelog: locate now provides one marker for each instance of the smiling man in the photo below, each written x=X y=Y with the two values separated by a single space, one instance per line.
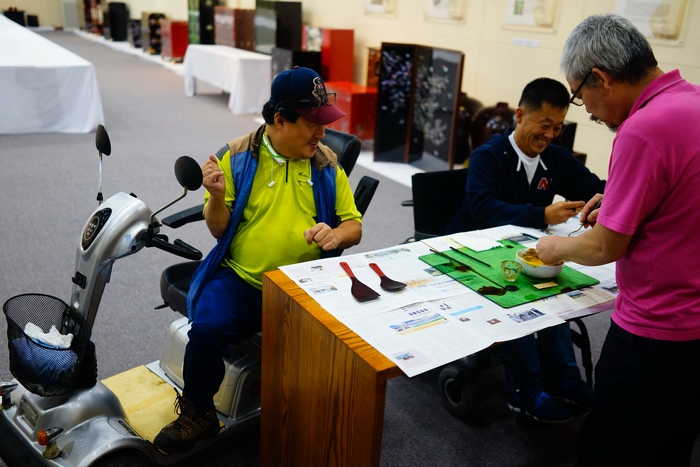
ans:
x=647 y=384
x=512 y=180
x=273 y=197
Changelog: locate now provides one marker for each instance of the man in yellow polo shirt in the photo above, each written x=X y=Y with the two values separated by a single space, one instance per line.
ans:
x=273 y=197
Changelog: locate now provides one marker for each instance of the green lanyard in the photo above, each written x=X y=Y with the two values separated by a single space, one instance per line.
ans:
x=280 y=159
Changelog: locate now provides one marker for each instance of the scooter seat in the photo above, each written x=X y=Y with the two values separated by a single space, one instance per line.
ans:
x=174 y=284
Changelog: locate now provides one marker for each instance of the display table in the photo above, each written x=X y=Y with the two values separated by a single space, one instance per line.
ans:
x=43 y=87
x=323 y=388
x=243 y=74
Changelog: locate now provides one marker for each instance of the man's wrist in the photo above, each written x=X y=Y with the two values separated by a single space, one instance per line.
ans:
x=217 y=199
x=337 y=233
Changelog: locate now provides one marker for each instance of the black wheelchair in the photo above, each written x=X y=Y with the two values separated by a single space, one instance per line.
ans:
x=175 y=280
x=436 y=197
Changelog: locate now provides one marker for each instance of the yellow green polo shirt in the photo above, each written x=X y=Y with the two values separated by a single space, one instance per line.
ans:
x=280 y=208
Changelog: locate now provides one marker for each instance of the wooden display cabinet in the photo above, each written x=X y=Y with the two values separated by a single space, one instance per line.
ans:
x=360 y=106
x=234 y=27
x=174 y=39
x=200 y=18
x=373 y=58
x=277 y=24
x=337 y=54
x=284 y=59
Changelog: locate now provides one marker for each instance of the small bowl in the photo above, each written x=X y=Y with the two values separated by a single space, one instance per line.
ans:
x=544 y=271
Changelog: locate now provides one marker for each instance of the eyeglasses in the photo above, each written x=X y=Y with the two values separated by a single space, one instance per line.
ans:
x=576 y=99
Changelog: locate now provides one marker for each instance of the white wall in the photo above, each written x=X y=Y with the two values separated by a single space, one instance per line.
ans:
x=496 y=67
x=497 y=64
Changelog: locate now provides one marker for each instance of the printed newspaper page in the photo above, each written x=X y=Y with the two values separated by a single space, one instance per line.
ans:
x=435 y=320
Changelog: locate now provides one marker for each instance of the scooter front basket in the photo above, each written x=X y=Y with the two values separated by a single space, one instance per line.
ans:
x=39 y=364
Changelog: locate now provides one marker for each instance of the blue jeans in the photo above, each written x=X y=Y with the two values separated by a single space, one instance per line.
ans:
x=543 y=363
x=228 y=311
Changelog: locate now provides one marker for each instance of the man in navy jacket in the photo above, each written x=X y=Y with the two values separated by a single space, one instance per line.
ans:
x=512 y=180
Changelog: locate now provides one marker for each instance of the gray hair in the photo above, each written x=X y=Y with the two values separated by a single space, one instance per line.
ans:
x=611 y=43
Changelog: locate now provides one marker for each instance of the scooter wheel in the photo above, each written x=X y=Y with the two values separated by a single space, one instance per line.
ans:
x=458 y=390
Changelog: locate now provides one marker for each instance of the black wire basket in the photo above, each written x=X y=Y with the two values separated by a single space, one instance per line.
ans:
x=42 y=368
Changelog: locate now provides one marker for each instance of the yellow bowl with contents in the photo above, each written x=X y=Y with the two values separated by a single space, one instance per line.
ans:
x=533 y=265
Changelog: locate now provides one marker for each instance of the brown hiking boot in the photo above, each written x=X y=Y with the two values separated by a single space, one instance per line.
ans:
x=191 y=425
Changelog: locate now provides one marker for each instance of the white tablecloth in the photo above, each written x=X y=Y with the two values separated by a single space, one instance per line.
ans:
x=43 y=87
x=243 y=74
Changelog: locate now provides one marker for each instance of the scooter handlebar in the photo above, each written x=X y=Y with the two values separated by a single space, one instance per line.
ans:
x=193 y=214
x=178 y=247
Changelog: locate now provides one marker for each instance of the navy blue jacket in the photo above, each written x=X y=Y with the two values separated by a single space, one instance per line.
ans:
x=497 y=195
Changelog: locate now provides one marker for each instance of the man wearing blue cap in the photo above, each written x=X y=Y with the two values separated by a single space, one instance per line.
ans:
x=273 y=197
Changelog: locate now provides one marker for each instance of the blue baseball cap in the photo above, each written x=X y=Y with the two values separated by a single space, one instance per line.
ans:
x=303 y=90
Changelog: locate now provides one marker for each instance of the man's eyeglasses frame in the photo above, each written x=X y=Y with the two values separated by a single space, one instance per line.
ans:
x=575 y=98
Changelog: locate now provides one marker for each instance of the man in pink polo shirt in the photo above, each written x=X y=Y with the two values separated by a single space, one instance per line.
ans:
x=647 y=392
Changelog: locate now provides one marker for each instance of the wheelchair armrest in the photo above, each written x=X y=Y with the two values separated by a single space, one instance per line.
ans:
x=364 y=192
x=193 y=214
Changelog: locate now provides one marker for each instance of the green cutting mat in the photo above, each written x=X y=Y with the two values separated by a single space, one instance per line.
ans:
x=567 y=280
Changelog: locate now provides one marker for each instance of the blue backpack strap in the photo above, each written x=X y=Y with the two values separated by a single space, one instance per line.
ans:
x=243 y=167
x=324 y=198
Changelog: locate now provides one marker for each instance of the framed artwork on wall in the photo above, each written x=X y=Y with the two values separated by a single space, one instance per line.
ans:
x=444 y=11
x=661 y=21
x=531 y=15
x=380 y=7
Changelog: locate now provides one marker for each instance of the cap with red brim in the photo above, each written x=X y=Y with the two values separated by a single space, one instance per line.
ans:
x=322 y=115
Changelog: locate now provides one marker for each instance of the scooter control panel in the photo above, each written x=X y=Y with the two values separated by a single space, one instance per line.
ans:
x=93 y=227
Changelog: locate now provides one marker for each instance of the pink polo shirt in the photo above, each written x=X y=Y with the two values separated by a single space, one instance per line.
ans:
x=653 y=194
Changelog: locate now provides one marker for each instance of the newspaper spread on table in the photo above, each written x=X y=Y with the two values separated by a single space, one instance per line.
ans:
x=435 y=320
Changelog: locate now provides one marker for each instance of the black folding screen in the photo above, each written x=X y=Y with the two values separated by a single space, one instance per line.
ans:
x=277 y=24
x=284 y=59
x=438 y=81
x=134 y=32
x=116 y=19
x=417 y=102
x=200 y=19
x=394 y=102
x=150 y=32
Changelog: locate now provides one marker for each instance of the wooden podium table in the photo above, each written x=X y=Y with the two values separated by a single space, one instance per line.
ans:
x=323 y=387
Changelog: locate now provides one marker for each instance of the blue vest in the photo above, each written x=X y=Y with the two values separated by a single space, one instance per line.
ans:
x=243 y=167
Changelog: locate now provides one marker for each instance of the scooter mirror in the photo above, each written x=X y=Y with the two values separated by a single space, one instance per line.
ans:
x=188 y=173
x=102 y=141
